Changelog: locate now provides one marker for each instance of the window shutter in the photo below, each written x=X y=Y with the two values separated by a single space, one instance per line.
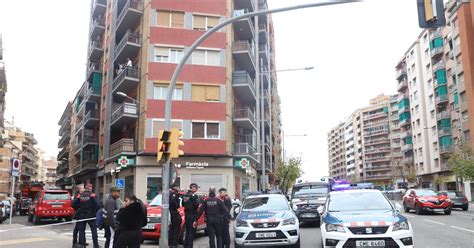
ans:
x=157 y=126
x=213 y=58
x=212 y=21
x=199 y=22
x=163 y=18
x=212 y=130
x=162 y=51
x=198 y=93
x=177 y=20
x=198 y=130
x=212 y=93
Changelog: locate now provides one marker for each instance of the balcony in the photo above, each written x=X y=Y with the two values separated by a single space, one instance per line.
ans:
x=437 y=84
x=98 y=8
x=92 y=69
x=244 y=150
x=376 y=133
x=436 y=52
x=266 y=98
x=87 y=141
x=124 y=114
x=405 y=134
x=401 y=73
x=375 y=116
x=435 y=34
x=443 y=115
x=244 y=87
x=263 y=36
x=439 y=66
x=244 y=117
x=262 y=5
x=377 y=150
x=91 y=119
x=377 y=168
x=377 y=142
x=266 y=120
x=264 y=52
x=243 y=53
x=91 y=94
x=402 y=85
x=405 y=108
x=126 y=80
x=65 y=127
x=31 y=165
x=405 y=122
x=441 y=99
x=245 y=4
x=122 y=147
x=445 y=149
x=407 y=147
x=63 y=141
x=89 y=161
x=408 y=161
x=97 y=27
x=62 y=168
x=129 y=16
x=375 y=124
x=64 y=153
x=265 y=76
x=378 y=177
x=244 y=28
x=128 y=47
x=96 y=50
x=377 y=159
x=444 y=131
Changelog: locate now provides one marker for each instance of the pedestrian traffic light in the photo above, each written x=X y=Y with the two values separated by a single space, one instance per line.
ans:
x=176 y=143
x=431 y=13
x=164 y=144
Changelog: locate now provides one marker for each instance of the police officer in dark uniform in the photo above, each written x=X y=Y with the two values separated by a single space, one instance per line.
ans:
x=87 y=206
x=191 y=206
x=175 y=216
x=216 y=213
x=225 y=225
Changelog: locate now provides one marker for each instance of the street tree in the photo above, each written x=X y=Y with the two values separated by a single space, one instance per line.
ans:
x=287 y=173
x=461 y=162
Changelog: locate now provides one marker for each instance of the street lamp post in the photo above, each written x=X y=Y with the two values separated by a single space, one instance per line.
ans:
x=174 y=78
x=283 y=141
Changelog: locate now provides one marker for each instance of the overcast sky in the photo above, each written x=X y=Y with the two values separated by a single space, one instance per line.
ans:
x=354 y=49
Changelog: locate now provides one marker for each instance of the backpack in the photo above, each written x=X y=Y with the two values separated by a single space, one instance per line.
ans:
x=99 y=219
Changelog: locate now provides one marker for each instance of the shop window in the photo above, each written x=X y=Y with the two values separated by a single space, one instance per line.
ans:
x=205 y=93
x=154 y=186
x=205 y=181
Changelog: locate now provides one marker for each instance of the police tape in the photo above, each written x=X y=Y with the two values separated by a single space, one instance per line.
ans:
x=47 y=225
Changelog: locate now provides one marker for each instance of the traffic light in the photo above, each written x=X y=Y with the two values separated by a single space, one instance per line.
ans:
x=176 y=143
x=164 y=145
x=431 y=13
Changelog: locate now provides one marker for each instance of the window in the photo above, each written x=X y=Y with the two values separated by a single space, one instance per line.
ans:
x=417 y=109
x=205 y=130
x=432 y=114
x=160 y=91
x=170 y=19
x=431 y=99
x=206 y=57
x=205 y=93
x=166 y=54
x=415 y=95
x=158 y=125
x=204 y=22
x=426 y=53
x=462 y=96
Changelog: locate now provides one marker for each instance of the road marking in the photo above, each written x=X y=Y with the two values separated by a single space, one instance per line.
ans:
x=21 y=241
x=439 y=223
x=464 y=229
x=409 y=216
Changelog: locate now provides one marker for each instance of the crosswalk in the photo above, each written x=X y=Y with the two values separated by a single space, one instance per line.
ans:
x=100 y=235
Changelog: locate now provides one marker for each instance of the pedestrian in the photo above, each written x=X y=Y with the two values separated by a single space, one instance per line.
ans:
x=131 y=219
x=225 y=224
x=80 y=189
x=216 y=212
x=191 y=205
x=87 y=206
x=112 y=206
x=175 y=216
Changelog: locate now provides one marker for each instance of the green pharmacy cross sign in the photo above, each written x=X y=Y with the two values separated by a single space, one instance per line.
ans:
x=123 y=161
x=244 y=163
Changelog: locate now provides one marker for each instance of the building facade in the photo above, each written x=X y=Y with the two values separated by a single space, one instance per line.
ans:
x=226 y=100
x=337 y=152
x=3 y=87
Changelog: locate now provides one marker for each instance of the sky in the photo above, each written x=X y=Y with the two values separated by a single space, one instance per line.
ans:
x=353 y=47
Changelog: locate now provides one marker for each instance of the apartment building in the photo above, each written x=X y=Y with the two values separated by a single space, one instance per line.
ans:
x=353 y=147
x=337 y=152
x=64 y=144
x=50 y=166
x=400 y=173
x=3 y=87
x=226 y=100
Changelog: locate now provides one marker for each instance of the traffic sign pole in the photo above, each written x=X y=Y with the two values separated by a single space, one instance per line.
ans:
x=11 y=197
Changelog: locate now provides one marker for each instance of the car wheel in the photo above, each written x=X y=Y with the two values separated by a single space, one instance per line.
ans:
x=418 y=210
x=465 y=208
x=406 y=208
x=36 y=220
x=447 y=211
x=1 y=220
x=30 y=217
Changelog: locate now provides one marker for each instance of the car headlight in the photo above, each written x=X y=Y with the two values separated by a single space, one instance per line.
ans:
x=422 y=200
x=242 y=223
x=401 y=226
x=335 y=228
x=290 y=221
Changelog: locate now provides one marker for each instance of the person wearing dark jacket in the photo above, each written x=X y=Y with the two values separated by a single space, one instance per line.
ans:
x=112 y=206
x=131 y=219
x=80 y=189
x=225 y=224
x=175 y=216
x=216 y=214
x=191 y=205
x=86 y=205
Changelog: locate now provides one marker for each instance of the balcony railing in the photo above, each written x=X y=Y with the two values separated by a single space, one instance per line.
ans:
x=401 y=73
x=244 y=149
x=377 y=150
x=376 y=115
x=402 y=85
x=125 y=109
x=438 y=66
x=444 y=149
x=377 y=132
x=131 y=4
x=131 y=37
x=128 y=72
x=244 y=113
x=377 y=141
x=444 y=131
x=407 y=147
x=376 y=159
x=96 y=45
x=122 y=146
x=243 y=46
x=436 y=51
x=375 y=123
x=441 y=99
x=443 y=115
x=240 y=79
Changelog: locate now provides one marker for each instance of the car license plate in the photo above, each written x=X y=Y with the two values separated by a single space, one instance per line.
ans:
x=266 y=235
x=149 y=227
x=57 y=206
x=438 y=210
x=370 y=243
x=310 y=215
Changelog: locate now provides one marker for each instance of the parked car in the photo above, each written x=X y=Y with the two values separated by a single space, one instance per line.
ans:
x=51 y=204
x=458 y=199
x=5 y=208
x=423 y=200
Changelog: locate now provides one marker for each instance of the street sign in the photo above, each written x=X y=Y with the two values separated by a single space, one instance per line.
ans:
x=120 y=183
x=123 y=161
x=15 y=167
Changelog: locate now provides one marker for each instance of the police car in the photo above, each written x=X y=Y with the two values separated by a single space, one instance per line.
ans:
x=363 y=218
x=267 y=220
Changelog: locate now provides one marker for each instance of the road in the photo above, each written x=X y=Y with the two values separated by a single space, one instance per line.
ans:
x=433 y=230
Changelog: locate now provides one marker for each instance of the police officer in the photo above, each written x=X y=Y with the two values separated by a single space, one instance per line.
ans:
x=87 y=206
x=175 y=216
x=191 y=206
x=225 y=224
x=216 y=213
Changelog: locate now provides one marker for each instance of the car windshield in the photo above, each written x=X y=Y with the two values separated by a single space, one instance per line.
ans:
x=156 y=201
x=56 y=196
x=265 y=204
x=425 y=192
x=452 y=194
x=310 y=191
x=358 y=201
